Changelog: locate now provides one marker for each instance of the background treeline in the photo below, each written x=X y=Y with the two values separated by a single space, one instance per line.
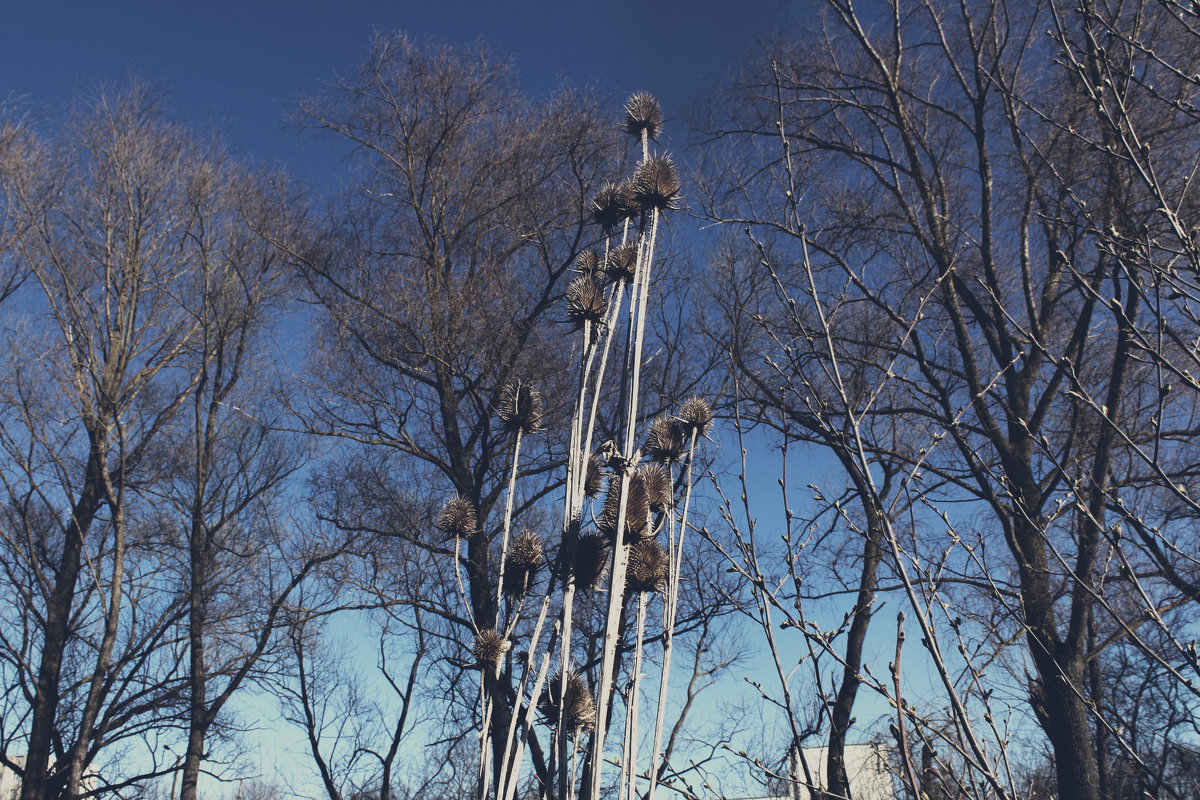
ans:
x=355 y=458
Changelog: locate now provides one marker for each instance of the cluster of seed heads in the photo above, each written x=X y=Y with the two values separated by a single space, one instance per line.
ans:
x=458 y=519
x=579 y=709
x=525 y=557
x=520 y=407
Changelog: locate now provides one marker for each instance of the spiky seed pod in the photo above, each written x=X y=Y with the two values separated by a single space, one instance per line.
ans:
x=458 y=518
x=658 y=486
x=585 y=302
x=643 y=114
x=664 y=440
x=648 y=567
x=629 y=201
x=656 y=183
x=591 y=561
x=695 y=416
x=588 y=264
x=593 y=482
x=520 y=407
x=489 y=647
x=637 y=509
x=622 y=263
x=524 y=560
x=579 y=711
x=611 y=206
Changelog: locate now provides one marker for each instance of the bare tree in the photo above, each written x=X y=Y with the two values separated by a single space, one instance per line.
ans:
x=933 y=199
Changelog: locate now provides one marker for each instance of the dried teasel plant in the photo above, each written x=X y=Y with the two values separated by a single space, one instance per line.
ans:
x=489 y=648
x=520 y=407
x=579 y=710
x=593 y=482
x=613 y=205
x=665 y=441
x=525 y=558
x=643 y=116
x=590 y=564
x=658 y=486
x=622 y=263
x=637 y=509
x=458 y=519
x=649 y=567
x=586 y=302
x=656 y=184
x=695 y=416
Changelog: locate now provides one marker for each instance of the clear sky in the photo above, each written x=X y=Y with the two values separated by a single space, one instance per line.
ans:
x=238 y=65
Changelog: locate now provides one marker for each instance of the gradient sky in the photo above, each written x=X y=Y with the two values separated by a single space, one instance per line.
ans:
x=238 y=65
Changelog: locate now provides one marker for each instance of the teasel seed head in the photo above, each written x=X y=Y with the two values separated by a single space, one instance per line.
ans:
x=587 y=263
x=520 y=407
x=664 y=440
x=656 y=183
x=585 y=302
x=695 y=416
x=524 y=560
x=612 y=205
x=489 y=647
x=622 y=263
x=658 y=486
x=593 y=482
x=637 y=509
x=643 y=114
x=648 y=567
x=458 y=519
x=579 y=710
x=591 y=561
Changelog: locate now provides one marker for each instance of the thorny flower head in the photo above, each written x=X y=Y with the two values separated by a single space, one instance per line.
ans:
x=523 y=562
x=637 y=509
x=458 y=518
x=648 y=566
x=656 y=183
x=622 y=263
x=585 y=302
x=664 y=440
x=593 y=482
x=658 y=486
x=695 y=416
x=489 y=647
x=520 y=407
x=612 y=205
x=579 y=708
x=643 y=115
x=591 y=561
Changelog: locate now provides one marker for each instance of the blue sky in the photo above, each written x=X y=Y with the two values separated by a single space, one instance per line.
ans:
x=238 y=65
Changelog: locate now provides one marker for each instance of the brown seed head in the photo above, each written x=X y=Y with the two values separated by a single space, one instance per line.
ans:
x=658 y=486
x=585 y=302
x=611 y=206
x=489 y=647
x=587 y=263
x=520 y=407
x=458 y=518
x=591 y=561
x=580 y=706
x=648 y=566
x=696 y=416
x=664 y=440
x=643 y=114
x=656 y=183
x=524 y=560
x=593 y=482
x=622 y=263
x=637 y=509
